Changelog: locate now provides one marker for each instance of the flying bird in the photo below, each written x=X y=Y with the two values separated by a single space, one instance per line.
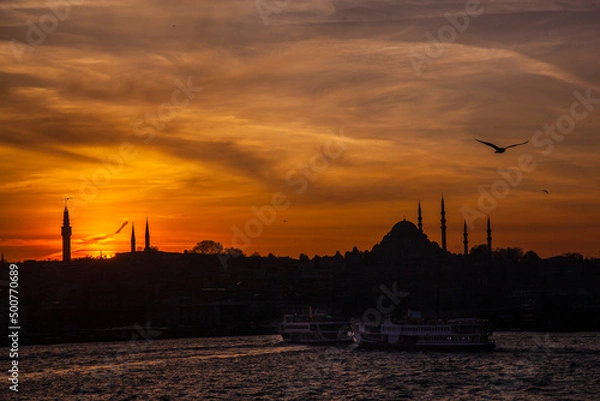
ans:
x=546 y=191
x=498 y=148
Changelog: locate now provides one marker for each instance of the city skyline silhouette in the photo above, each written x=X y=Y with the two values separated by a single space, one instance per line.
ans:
x=195 y=193
x=121 y=244
x=66 y=231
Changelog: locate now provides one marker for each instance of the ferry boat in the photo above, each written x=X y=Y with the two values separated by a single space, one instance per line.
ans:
x=463 y=335
x=315 y=328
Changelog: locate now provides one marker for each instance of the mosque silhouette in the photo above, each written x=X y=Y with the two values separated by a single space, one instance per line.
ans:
x=403 y=233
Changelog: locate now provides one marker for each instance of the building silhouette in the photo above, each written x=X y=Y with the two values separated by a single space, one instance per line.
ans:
x=66 y=236
x=252 y=292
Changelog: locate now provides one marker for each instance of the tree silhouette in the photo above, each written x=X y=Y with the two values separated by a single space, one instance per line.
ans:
x=207 y=247
x=233 y=252
x=479 y=252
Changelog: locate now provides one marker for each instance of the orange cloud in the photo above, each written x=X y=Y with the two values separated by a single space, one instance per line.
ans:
x=272 y=97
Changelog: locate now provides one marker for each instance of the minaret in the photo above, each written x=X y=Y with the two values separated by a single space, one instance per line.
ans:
x=66 y=235
x=465 y=240
x=489 y=238
x=443 y=227
x=147 y=247
x=132 y=238
x=420 y=219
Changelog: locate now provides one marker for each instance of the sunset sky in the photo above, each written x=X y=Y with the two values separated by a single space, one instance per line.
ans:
x=330 y=119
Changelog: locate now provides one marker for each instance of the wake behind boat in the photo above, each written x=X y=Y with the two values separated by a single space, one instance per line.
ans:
x=315 y=328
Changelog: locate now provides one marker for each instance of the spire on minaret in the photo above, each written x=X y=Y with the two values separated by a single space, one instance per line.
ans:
x=420 y=219
x=66 y=234
x=489 y=237
x=147 y=247
x=443 y=227
x=466 y=239
x=132 y=237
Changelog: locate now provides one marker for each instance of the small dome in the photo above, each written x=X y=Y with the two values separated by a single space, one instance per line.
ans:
x=405 y=228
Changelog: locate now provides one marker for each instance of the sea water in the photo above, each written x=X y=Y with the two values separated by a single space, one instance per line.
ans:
x=525 y=366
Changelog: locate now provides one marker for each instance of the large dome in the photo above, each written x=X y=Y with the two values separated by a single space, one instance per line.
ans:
x=404 y=228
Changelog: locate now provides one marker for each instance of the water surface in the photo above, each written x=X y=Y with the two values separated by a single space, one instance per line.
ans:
x=525 y=366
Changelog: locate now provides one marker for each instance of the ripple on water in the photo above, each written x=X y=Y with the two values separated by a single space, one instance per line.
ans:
x=528 y=366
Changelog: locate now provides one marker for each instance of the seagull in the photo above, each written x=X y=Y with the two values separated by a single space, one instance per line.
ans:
x=498 y=148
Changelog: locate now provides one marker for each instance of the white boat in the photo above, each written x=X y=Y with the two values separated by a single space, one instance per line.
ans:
x=314 y=328
x=464 y=335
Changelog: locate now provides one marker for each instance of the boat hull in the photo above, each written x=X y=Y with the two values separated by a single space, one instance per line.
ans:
x=412 y=346
x=436 y=337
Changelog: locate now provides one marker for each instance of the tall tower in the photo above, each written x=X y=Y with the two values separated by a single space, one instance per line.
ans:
x=420 y=219
x=147 y=247
x=66 y=235
x=466 y=239
x=132 y=237
x=489 y=238
x=443 y=227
